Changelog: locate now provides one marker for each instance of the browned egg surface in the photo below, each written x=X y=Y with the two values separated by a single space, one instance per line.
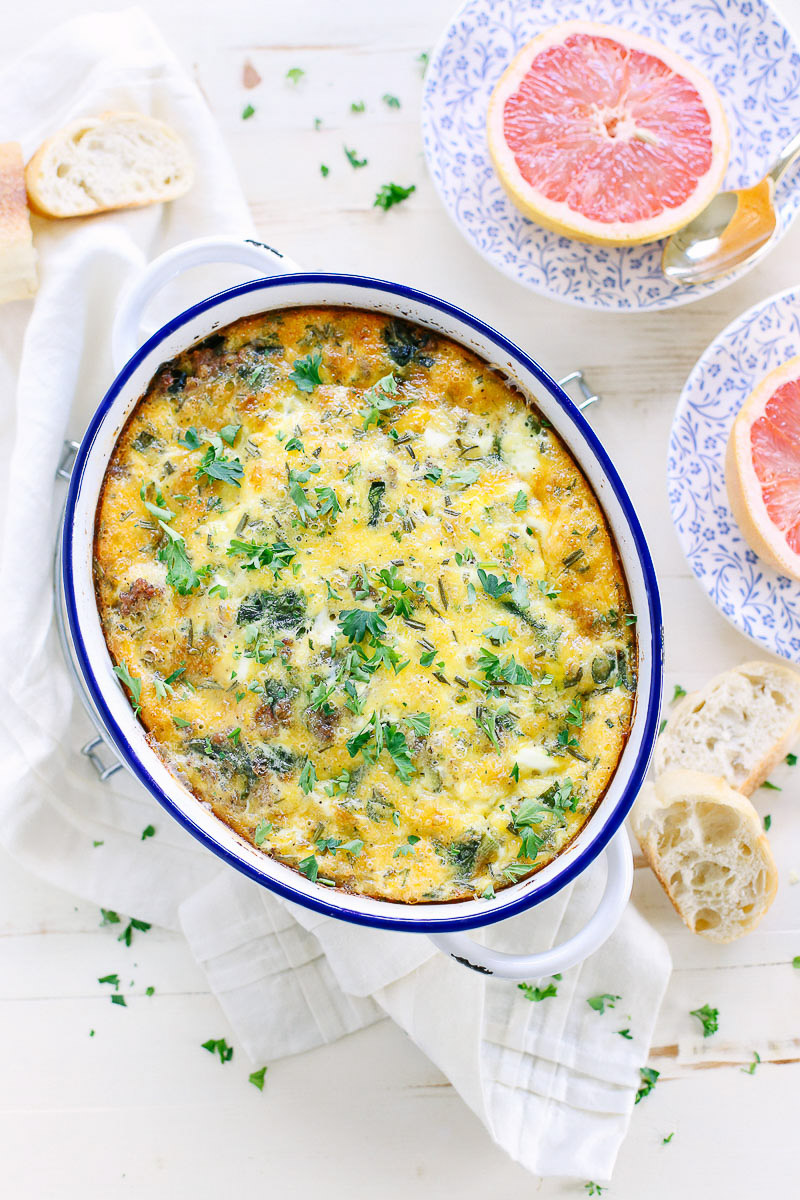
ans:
x=366 y=604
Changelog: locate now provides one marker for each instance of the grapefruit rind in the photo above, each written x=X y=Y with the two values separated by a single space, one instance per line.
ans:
x=745 y=488
x=559 y=217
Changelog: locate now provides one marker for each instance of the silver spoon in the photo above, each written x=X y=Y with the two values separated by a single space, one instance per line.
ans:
x=736 y=227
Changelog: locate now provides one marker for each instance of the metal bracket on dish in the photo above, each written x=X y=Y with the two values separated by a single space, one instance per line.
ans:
x=67 y=460
x=91 y=751
x=578 y=378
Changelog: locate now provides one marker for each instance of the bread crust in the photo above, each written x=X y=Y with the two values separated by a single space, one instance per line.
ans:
x=60 y=149
x=697 y=788
x=668 y=757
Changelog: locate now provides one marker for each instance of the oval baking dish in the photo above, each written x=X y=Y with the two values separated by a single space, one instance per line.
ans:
x=340 y=293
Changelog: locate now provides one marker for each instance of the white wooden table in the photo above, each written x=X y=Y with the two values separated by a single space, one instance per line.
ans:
x=126 y=1112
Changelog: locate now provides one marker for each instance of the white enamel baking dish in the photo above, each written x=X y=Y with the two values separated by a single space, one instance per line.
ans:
x=283 y=285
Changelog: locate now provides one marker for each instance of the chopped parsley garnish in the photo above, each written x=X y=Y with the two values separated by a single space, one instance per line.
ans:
x=383 y=734
x=649 y=1077
x=219 y=1046
x=247 y=112
x=148 y=832
x=390 y=101
x=494 y=587
x=112 y=979
x=127 y=934
x=358 y=106
x=422 y=61
x=666 y=1140
x=309 y=867
x=791 y=760
x=181 y=575
x=109 y=917
x=772 y=787
x=679 y=691
x=353 y=158
x=602 y=1002
x=796 y=961
x=263 y=828
x=257 y=1078
x=305 y=373
x=380 y=399
x=408 y=848
x=295 y=74
x=259 y=555
x=391 y=194
x=328 y=502
x=536 y=993
x=550 y=590
x=305 y=507
x=215 y=465
x=594 y=1189
x=464 y=478
x=767 y=823
x=625 y=1033
x=421 y=723
x=520 y=502
x=324 y=170
x=751 y=1070
x=116 y=999
x=133 y=685
x=507 y=670
x=356 y=623
x=708 y=1018
x=308 y=777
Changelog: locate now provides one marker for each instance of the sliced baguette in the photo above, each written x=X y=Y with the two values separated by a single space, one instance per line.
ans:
x=738 y=726
x=116 y=160
x=17 y=255
x=706 y=845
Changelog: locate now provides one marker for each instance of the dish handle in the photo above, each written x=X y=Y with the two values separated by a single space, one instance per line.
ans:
x=248 y=252
x=598 y=928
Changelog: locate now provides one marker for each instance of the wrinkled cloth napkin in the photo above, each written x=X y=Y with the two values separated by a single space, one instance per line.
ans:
x=552 y=1082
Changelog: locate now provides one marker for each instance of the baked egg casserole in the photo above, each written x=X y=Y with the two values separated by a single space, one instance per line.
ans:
x=365 y=604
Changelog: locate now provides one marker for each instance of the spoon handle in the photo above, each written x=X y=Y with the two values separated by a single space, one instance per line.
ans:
x=785 y=159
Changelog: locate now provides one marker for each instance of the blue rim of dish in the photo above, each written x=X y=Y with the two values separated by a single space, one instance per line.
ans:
x=318 y=903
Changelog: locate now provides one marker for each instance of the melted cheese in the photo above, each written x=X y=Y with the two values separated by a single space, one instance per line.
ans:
x=424 y=693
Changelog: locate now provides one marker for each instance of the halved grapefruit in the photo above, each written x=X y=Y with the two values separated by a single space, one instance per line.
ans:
x=606 y=136
x=762 y=468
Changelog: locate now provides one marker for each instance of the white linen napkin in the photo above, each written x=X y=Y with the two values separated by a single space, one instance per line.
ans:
x=552 y=1081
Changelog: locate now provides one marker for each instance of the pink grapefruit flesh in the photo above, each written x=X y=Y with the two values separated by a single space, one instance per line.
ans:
x=763 y=468
x=606 y=136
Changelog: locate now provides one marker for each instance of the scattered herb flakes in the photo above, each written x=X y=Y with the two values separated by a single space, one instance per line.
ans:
x=308 y=777
x=109 y=917
x=247 y=112
x=390 y=101
x=594 y=1189
x=422 y=61
x=324 y=170
x=625 y=1033
x=392 y=193
x=665 y=1141
x=536 y=993
x=771 y=787
x=353 y=159
x=662 y=726
x=791 y=760
x=257 y=1078
x=649 y=1079
x=149 y=991
x=767 y=823
x=219 y=1046
x=708 y=1018
x=679 y=691
x=602 y=1002
x=96 y=844
x=127 y=934
x=751 y=1070
x=91 y=1033
x=295 y=74
x=796 y=962
x=358 y=106
x=112 y=979
x=520 y=502
x=149 y=830
x=117 y=999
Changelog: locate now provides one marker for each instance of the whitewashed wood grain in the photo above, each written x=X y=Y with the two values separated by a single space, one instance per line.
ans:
x=139 y=1109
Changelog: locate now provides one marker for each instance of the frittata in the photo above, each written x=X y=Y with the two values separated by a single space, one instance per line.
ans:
x=365 y=604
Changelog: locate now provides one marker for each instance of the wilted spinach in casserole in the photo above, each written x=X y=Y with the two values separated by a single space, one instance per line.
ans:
x=366 y=604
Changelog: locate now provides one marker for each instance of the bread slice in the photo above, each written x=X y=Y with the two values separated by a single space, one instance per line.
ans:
x=706 y=845
x=17 y=255
x=738 y=726
x=116 y=160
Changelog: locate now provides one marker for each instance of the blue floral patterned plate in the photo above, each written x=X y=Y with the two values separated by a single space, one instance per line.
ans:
x=752 y=595
x=742 y=46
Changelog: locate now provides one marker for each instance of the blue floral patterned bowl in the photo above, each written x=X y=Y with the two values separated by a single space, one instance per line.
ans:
x=742 y=46
x=751 y=594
